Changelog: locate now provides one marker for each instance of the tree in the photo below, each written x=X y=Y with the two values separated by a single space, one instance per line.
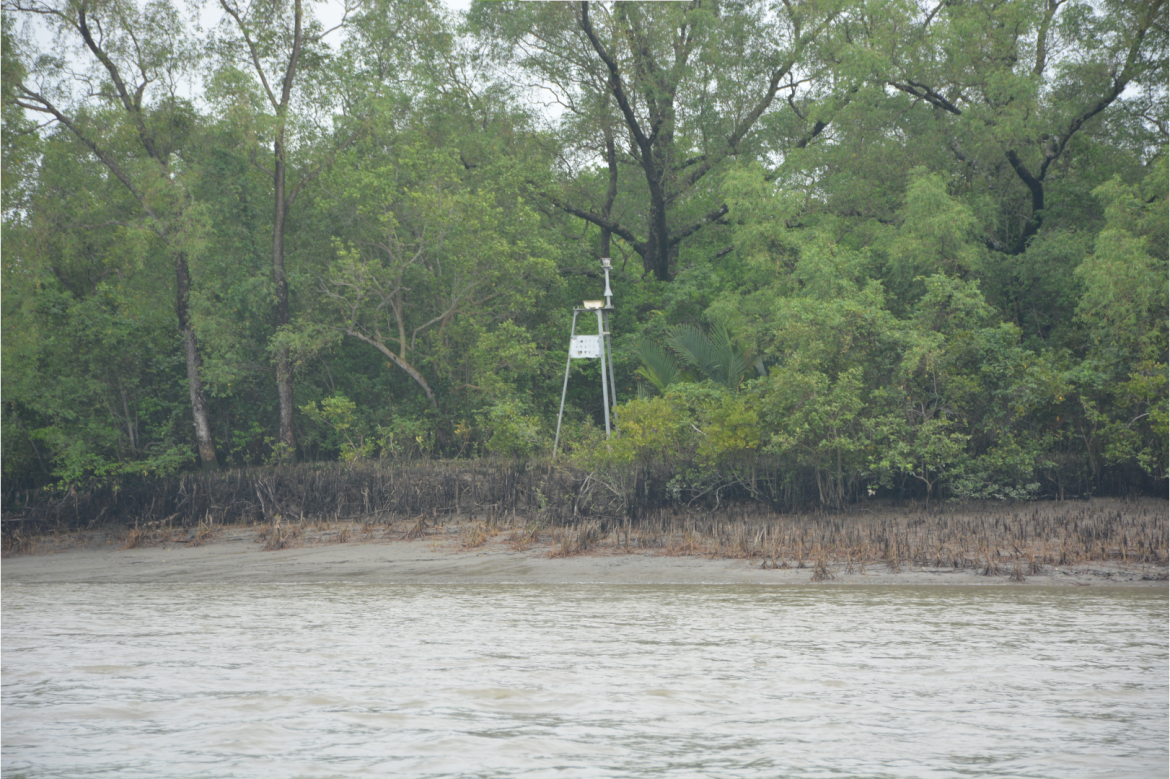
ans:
x=90 y=368
x=685 y=86
x=1122 y=382
x=274 y=44
x=1010 y=87
x=130 y=116
x=423 y=254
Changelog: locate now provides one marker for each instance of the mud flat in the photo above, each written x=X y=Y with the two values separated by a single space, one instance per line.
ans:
x=468 y=552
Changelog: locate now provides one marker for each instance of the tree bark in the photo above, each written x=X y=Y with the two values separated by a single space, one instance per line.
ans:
x=1036 y=188
x=410 y=370
x=657 y=255
x=284 y=380
x=282 y=201
x=202 y=423
x=611 y=191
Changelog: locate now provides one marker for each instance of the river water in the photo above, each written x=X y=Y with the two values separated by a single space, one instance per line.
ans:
x=582 y=681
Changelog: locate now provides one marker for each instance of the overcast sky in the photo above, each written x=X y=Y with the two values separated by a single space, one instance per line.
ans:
x=328 y=12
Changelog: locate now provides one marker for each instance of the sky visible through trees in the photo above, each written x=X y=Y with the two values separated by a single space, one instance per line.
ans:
x=912 y=247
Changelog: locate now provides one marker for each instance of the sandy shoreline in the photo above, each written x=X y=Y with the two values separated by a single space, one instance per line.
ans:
x=237 y=555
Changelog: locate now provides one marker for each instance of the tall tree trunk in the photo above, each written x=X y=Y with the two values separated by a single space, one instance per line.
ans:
x=282 y=201
x=284 y=381
x=657 y=257
x=203 y=437
x=611 y=192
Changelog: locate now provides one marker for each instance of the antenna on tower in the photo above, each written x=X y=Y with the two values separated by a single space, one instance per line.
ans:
x=593 y=347
x=605 y=266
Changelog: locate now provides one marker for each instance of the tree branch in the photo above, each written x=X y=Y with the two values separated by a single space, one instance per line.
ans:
x=615 y=81
x=613 y=227
x=133 y=105
x=401 y=363
x=45 y=106
x=924 y=92
x=693 y=228
x=745 y=125
x=232 y=12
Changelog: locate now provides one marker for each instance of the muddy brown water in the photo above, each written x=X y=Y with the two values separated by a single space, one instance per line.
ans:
x=343 y=679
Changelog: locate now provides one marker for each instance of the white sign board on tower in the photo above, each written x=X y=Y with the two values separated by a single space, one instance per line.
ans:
x=585 y=347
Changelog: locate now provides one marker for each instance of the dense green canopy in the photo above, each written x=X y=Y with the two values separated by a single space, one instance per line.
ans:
x=911 y=246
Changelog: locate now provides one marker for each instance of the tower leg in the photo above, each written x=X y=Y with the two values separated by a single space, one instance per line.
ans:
x=612 y=379
x=565 y=387
x=604 y=379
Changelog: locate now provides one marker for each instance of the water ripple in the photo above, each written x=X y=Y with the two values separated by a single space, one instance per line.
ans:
x=571 y=681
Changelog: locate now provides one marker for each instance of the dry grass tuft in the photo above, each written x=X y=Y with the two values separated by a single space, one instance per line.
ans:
x=418 y=530
x=18 y=544
x=277 y=536
x=521 y=540
x=577 y=540
x=992 y=539
x=139 y=537
x=821 y=571
x=538 y=502
x=203 y=533
x=475 y=536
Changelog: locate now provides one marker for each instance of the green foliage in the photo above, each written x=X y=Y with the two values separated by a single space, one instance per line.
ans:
x=812 y=423
x=505 y=362
x=658 y=367
x=85 y=384
x=713 y=354
x=1125 y=278
x=407 y=436
x=651 y=429
x=933 y=263
x=337 y=416
x=511 y=432
x=936 y=234
x=428 y=262
x=1122 y=382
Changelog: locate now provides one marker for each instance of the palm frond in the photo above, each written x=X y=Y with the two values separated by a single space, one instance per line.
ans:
x=732 y=358
x=658 y=367
x=693 y=346
x=715 y=353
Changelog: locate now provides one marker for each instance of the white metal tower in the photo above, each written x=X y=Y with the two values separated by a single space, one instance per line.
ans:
x=593 y=347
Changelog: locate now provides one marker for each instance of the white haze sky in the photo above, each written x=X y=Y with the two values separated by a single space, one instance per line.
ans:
x=328 y=12
x=207 y=14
